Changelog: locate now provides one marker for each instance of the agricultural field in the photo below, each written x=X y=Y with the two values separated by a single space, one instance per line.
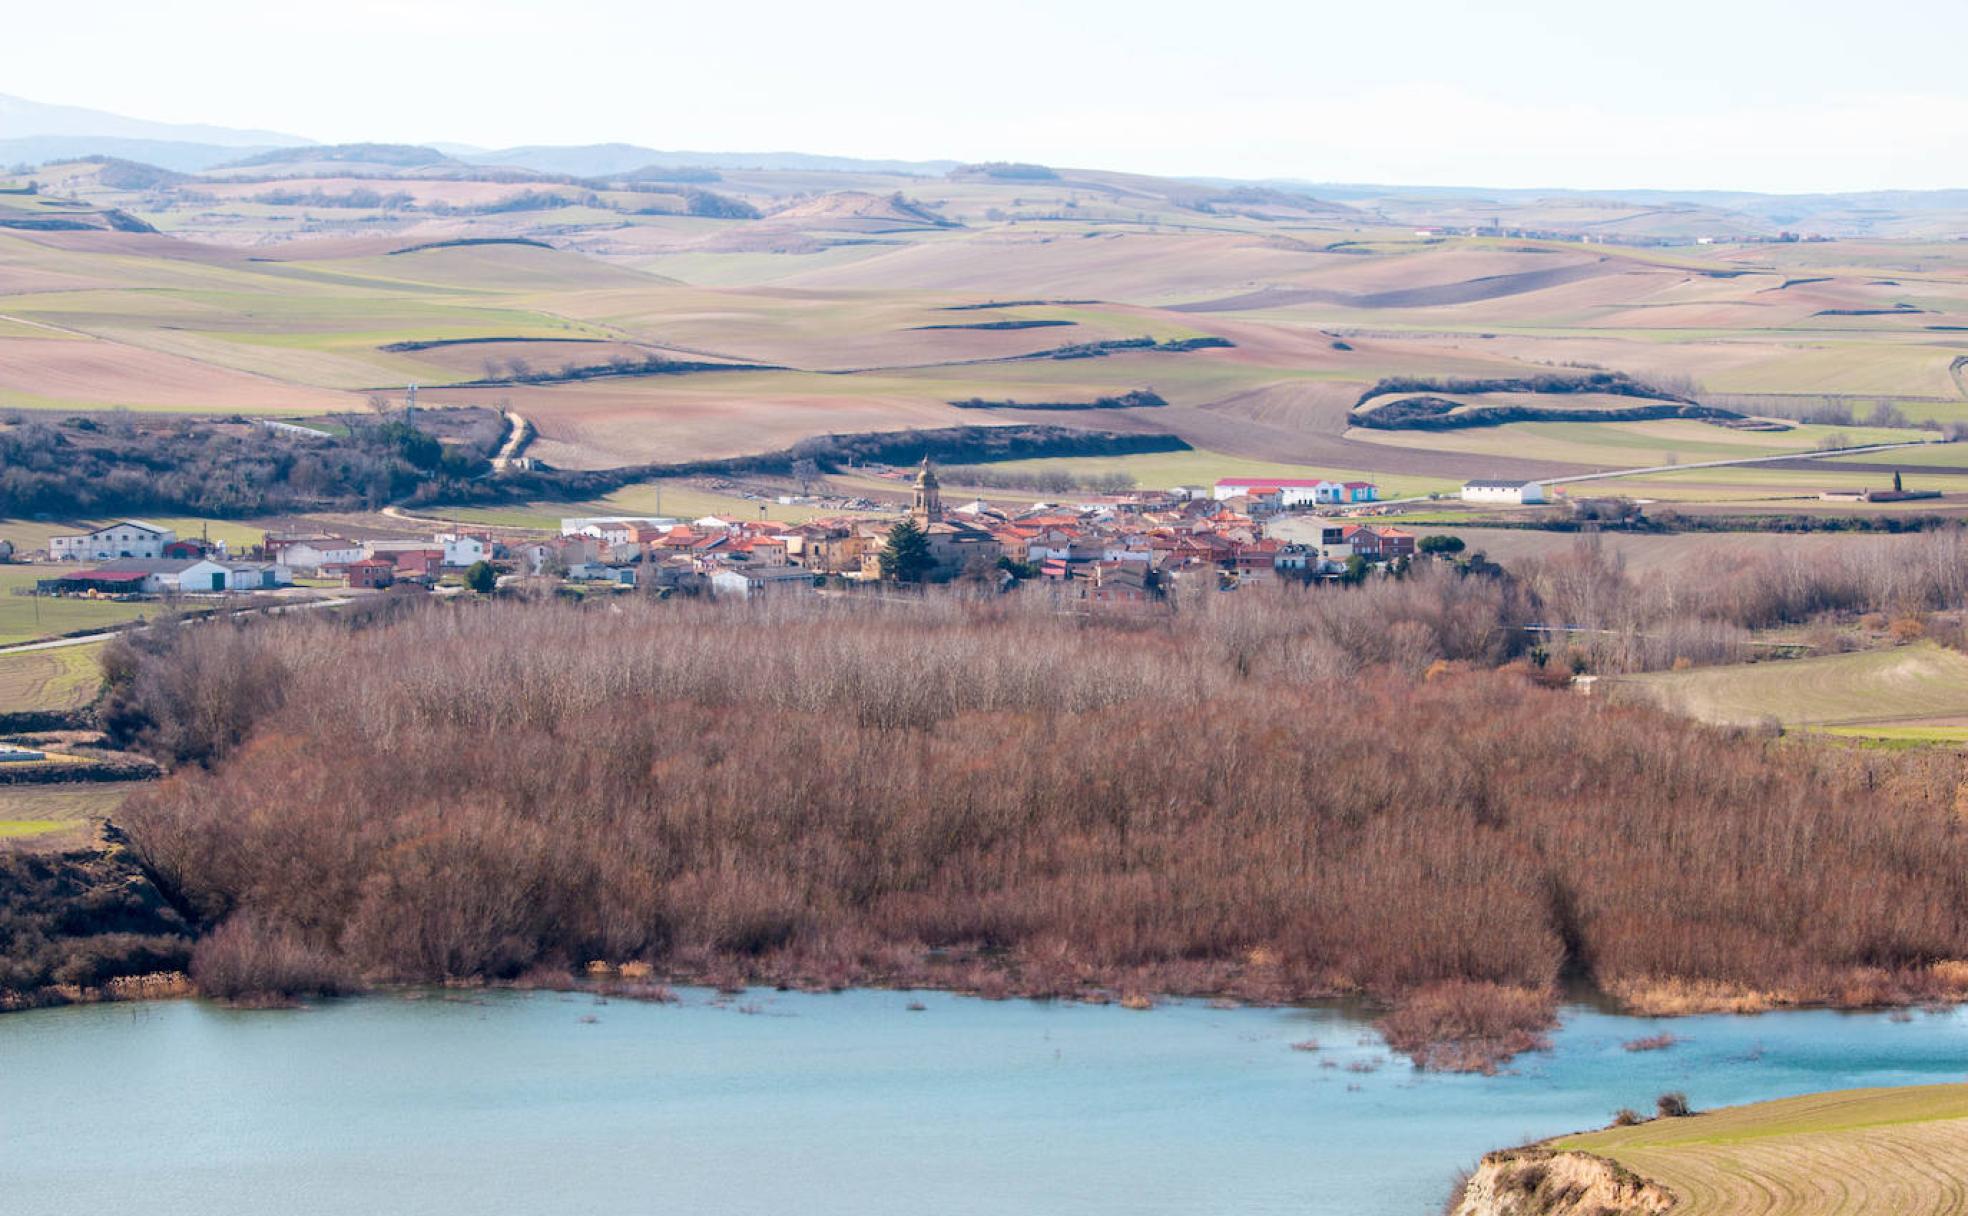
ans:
x=1903 y=1151
x=868 y=302
x=26 y=618
x=57 y=816
x=1904 y=688
x=670 y=497
x=1645 y=553
x=65 y=677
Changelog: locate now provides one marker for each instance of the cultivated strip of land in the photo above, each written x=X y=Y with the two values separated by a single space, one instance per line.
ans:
x=1899 y=1151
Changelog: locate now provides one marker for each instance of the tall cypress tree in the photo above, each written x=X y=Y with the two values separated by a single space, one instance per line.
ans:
x=905 y=558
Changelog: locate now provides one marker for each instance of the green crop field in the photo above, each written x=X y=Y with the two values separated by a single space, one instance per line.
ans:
x=1895 y=1152
x=1161 y=470
x=66 y=677
x=44 y=817
x=25 y=618
x=676 y=499
x=1897 y=686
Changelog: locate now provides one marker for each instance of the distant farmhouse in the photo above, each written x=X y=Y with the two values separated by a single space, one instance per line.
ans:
x=124 y=538
x=167 y=576
x=1297 y=492
x=1516 y=492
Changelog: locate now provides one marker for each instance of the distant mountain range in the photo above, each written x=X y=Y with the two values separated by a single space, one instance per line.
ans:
x=33 y=133
x=601 y=160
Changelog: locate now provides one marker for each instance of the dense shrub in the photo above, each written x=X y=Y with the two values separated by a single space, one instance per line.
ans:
x=95 y=465
x=1256 y=794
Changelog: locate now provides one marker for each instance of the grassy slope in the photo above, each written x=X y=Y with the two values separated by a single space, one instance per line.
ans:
x=1900 y=1151
x=1904 y=683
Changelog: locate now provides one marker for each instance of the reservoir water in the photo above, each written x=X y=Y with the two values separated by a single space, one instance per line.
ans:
x=781 y=1103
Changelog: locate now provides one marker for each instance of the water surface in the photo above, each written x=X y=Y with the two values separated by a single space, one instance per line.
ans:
x=848 y=1104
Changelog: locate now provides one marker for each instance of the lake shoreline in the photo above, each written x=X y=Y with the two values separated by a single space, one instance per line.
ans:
x=1260 y=1110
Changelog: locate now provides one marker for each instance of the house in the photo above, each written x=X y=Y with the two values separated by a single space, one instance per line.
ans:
x=754 y=582
x=1394 y=542
x=131 y=538
x=1493 y=490
x=465 y=548
x=1120 y=582
x=763 y=550
x=368 y=573
x=412 y=558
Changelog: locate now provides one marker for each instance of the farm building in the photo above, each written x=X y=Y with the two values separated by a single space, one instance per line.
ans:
x=154 y=576
x=754 y=582
x=94 y=582
x=125 y=538
x=314 y=553
x=1297 y=491
x=1518 y=492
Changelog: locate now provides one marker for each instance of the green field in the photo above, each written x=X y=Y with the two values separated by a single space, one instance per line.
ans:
x=669 y=498
x=25 y=618
x=1898 y=687
x=1615 y=445
x=1163 y=470
x=66 y=677
x=29 y=535
x=1895 y=1152
x=41 y=817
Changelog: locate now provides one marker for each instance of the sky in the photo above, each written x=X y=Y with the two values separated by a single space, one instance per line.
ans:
x=1804 y=95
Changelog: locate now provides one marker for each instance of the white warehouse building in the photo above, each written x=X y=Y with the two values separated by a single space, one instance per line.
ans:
x=1517 y=492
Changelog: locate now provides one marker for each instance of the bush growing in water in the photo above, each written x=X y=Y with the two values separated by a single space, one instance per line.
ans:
x=245 y=959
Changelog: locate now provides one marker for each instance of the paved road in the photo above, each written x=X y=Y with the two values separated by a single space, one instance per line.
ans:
x=58 y=643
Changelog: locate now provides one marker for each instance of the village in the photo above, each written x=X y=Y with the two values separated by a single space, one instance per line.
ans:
x=1126 y=548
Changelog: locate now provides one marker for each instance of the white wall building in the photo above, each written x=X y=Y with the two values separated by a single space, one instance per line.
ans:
x=1515 y=492
x=124 y=538
x=461 y=549
x=311 y=555
x=755 y=581
x=593 y=525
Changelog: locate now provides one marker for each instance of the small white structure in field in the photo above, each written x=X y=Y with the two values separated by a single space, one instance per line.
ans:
x=1515 y=492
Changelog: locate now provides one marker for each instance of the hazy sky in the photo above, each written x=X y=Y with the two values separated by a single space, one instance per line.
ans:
x=1797 y=95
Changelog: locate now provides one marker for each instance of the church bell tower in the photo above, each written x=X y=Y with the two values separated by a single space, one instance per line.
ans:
x=928 y=505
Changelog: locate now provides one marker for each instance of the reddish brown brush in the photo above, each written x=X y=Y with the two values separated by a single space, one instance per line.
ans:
x=1256 y=800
